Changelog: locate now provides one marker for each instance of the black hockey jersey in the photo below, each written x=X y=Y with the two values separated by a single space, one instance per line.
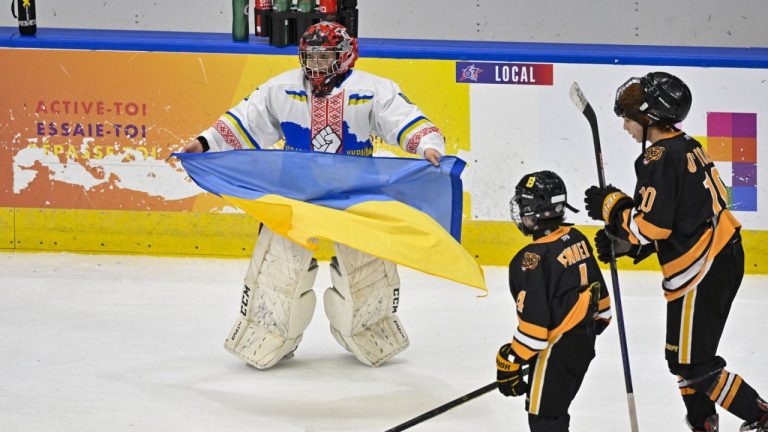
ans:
x=680 y=208
x=549 y=279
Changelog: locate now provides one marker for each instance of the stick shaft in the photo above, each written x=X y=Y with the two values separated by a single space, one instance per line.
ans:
x=589 y=113
x=443 y=408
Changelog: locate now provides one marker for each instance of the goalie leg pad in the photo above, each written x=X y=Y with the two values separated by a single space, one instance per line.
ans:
x=362 y=306
x=277 y=302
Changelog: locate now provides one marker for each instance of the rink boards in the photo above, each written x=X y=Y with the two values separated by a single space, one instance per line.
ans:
x=89 y=121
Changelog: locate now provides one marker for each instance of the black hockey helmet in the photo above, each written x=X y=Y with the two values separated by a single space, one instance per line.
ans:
x=666 y=100
x=540 y=196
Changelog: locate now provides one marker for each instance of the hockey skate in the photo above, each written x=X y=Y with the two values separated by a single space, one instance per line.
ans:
x=761 y=425
x=277 y=303
x=711 y=424
x=362 y=306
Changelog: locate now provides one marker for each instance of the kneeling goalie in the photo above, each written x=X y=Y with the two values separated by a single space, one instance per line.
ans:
x=562 y=304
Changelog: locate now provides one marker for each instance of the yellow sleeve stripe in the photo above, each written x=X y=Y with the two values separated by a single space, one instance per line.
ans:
x=533 y=330
x=522 y=351
x=650 y=230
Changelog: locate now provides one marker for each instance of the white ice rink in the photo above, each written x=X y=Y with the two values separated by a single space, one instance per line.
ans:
x=129 y=343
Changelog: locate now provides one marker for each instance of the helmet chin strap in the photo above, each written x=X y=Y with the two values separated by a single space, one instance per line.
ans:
x=645 y=136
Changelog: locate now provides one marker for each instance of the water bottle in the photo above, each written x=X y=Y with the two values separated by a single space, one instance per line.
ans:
x=27 y=21
x=282 y=5
x=306 y=5
x=240 y=20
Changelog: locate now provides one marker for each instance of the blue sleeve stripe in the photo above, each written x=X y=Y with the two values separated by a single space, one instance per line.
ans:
x=243 y=130
x=406 y=127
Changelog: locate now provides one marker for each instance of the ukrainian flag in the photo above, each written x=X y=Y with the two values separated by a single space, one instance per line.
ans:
x=400 y=209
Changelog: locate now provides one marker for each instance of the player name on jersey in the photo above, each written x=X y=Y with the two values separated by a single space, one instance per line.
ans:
x=504 y=73
x=574 y=253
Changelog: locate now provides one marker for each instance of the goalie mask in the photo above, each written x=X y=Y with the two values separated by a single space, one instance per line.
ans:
x=539 y=202
x=326 y=52
x=662 y=100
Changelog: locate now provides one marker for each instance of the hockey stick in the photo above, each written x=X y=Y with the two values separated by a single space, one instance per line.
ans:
x=445 y=407
x=581 y=102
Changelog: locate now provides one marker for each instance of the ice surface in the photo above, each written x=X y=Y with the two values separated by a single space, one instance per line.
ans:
x=132 y=343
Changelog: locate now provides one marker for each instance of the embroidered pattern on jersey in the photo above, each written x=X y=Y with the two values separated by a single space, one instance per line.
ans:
x=228 y=135
x=300 y=95
x=413 y=143
x=358 y=99
x=329 y=112
x=652 y=153
x=530 y=261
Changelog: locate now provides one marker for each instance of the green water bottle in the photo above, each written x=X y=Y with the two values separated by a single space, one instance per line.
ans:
x=282 y=5
x=240 y=20
x=306 y=5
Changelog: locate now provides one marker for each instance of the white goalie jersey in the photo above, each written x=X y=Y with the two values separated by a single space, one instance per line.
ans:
x=342 y=122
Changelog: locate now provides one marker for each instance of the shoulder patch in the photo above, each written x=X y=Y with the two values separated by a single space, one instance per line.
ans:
x=299 y=95
x=359 y=99
x=652 y=153
x=530 y=261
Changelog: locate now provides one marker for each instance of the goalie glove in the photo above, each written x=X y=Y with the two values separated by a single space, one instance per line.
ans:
x=509 y=374
x=603 y=203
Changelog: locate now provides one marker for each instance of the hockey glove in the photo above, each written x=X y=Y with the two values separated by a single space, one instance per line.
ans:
x=603 y=203
x=509 y=374
x=604 y=239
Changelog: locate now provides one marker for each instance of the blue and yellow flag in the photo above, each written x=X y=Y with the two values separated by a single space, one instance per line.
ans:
x=402 y=210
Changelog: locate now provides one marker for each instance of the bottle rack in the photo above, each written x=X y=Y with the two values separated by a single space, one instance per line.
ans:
x=286 y=28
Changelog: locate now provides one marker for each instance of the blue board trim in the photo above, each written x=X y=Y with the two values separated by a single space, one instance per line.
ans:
x=131 y=40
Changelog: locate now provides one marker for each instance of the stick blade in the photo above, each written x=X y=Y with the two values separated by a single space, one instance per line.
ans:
x=578 y=98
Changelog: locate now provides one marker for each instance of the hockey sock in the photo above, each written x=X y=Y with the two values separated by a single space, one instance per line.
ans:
x=731 y=392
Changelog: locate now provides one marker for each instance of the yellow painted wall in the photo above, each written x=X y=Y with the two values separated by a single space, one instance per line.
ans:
x=233 y=235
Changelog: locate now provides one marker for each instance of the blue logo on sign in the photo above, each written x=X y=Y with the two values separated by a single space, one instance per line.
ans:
x=471 y=73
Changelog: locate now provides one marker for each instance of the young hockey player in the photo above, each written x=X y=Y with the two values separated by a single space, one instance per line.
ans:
x=562 y=304
x=679 y=211
x=324 y=106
